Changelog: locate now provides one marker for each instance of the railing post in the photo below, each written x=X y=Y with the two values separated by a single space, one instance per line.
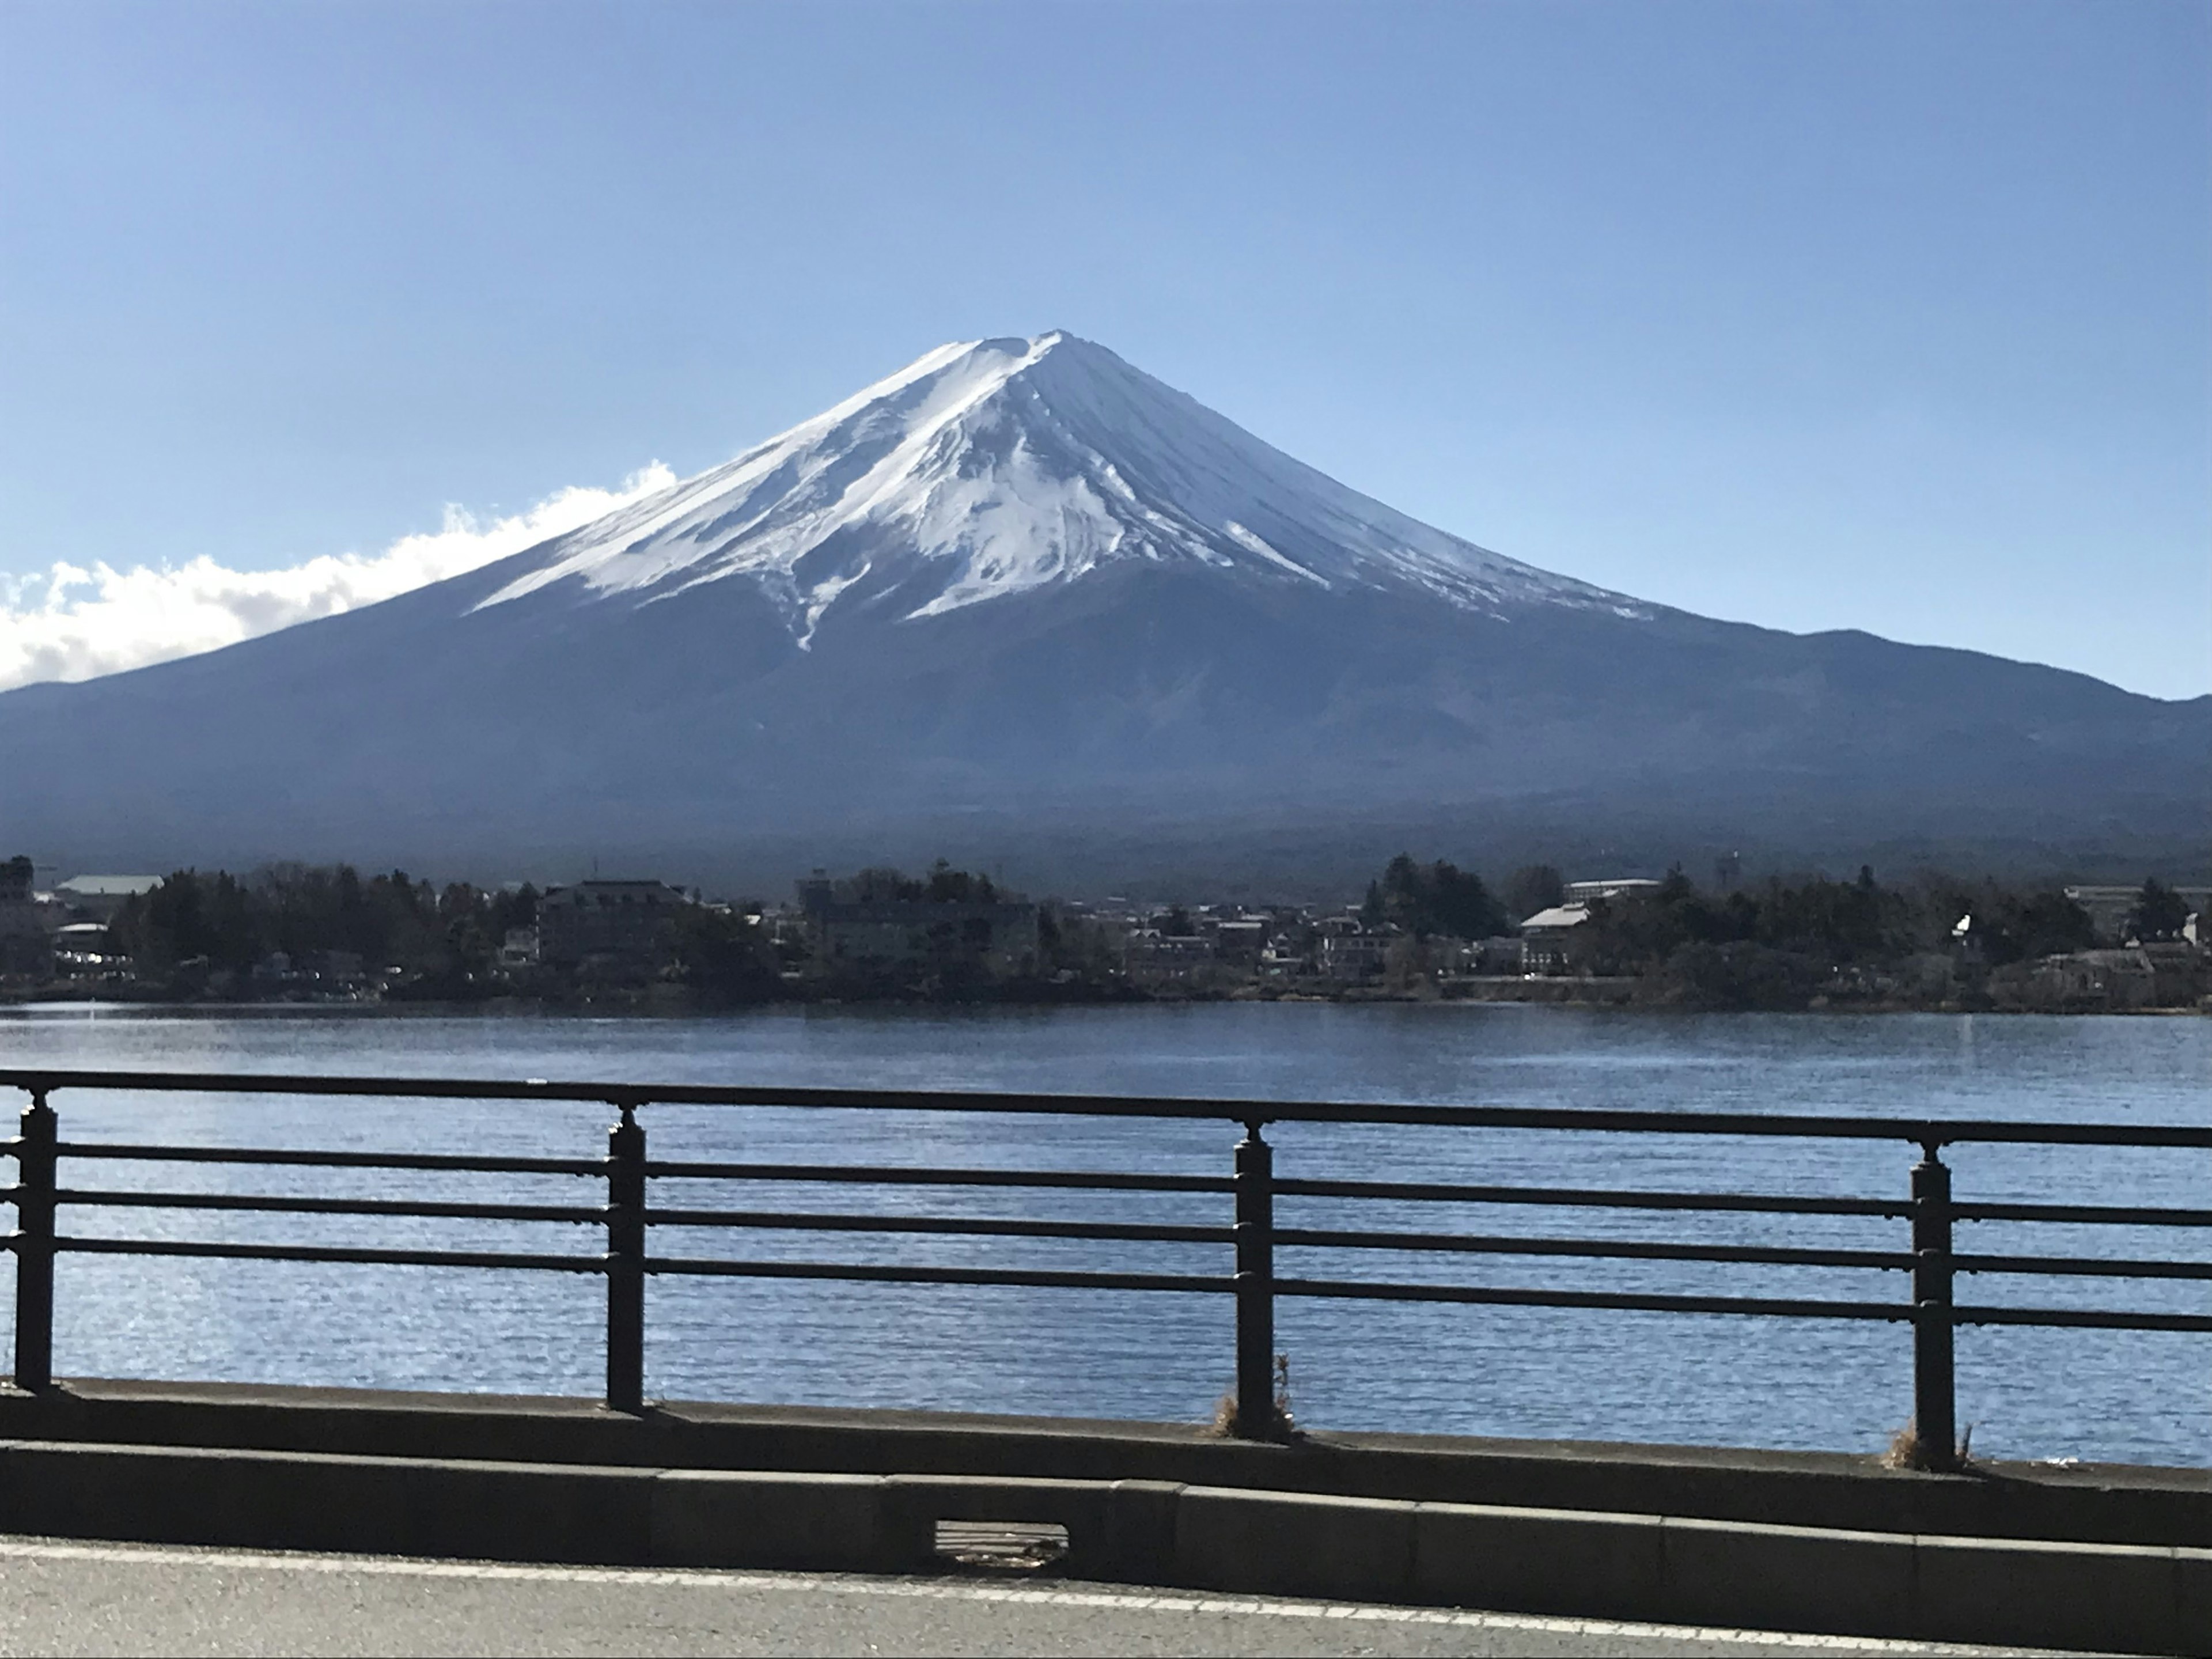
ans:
x=34 y=1246
x=626 y=1263
x=1256 y=1286
x=1934 y=1410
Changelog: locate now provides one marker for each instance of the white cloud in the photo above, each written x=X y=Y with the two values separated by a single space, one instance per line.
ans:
x=71 y=623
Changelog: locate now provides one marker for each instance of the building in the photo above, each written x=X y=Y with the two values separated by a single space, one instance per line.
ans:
x=2109 y=907
x=26 y=946
x=1544 y=935
x=1506 y=953
x=1151 y=958
x=98 y=898
x=2103 y=981
x=880 y=935
x=619 y=928
x=1241 y=939
x=82 y=950
x=1614 y=887
x=1544 y=938
x=1352 y=957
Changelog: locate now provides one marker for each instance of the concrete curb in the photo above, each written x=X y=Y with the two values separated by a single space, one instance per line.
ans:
x=2130 y=1598
x=2106 y=1504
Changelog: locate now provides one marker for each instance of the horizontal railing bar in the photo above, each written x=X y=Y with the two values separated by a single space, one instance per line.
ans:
x=628 y=1096
x=892 y=1175
x=1319 y=1288
x=1427 y=1192
x=2103 y=1214
x=140 y=1153
x=575 y=1264
x=1797 y=1308
x=2081 y=1267
x=2082 y=1319
x=1621 y=1249
x=913 y=1275
x=806 y=1221
x=427 y=1209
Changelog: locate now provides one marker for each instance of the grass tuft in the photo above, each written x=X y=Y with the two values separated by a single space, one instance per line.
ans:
x=1227 y=1419
x=1907 y=1450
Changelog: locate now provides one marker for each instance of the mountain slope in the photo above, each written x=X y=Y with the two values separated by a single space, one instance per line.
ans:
x=1022 y=594
x=984 y=471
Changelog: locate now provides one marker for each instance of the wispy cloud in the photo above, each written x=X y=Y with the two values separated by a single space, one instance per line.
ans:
x=71 y=623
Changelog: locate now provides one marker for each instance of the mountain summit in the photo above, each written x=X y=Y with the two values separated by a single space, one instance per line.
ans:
x=997 y=467
x=1021 y=601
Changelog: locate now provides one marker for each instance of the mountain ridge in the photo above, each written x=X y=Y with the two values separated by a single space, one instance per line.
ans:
x=1021 y=592
x=983 y=468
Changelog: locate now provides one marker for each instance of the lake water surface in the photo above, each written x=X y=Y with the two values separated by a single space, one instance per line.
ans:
x=2092 y=1395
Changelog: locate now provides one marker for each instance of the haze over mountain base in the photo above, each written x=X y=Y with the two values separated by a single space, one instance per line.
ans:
x=1022 y=604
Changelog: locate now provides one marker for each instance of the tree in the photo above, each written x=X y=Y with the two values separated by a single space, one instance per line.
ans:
x=950 y=886
x=1373 y=913
x=1437 y=899
x=188 y=916
x=1532 y=888
x=2160 y=912
x=880 y=884
x=726 y=955
x=2052 y=925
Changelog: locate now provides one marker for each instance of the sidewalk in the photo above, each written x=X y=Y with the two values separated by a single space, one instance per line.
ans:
x=61 y=1597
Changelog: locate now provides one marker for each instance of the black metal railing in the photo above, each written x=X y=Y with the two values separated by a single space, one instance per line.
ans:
x=630 y=1212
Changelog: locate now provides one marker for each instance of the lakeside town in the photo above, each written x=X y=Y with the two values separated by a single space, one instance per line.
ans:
x=1421 y=932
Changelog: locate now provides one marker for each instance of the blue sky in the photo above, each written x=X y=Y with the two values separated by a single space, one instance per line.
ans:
x=1884 y=316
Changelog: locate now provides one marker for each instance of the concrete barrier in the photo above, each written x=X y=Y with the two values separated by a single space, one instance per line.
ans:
x=1346 y=1549
x=2130 y=1598
x=2107 y=1504
x=1758 y=1576
x=715 y=1518
x=302 y=1500
x=2070 y=1595
x=1529 y=1560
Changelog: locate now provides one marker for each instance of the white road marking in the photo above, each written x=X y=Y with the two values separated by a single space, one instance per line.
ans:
x=941 y=1589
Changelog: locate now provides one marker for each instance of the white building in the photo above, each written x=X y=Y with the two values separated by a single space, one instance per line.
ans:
x=100 y=896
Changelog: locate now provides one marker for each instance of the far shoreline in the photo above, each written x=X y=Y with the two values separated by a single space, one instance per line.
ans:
x=684 y=1006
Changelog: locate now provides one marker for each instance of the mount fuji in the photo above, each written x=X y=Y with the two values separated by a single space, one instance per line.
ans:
x=1022 y=602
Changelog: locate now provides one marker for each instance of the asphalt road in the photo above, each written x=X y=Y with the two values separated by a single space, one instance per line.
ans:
x=66 y=1597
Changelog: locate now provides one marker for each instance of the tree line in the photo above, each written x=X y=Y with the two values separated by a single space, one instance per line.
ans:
x=218 y=922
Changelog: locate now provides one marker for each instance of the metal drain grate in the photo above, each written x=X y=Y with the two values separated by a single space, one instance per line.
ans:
x=1001 y=1546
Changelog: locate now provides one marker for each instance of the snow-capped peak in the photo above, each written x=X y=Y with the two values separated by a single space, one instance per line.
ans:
x=993 y=467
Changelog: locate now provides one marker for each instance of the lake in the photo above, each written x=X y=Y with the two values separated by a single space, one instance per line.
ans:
x=2143 y=1397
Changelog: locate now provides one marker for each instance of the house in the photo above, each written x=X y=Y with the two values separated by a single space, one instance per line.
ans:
x=98 y=898
x=1241 y=940
x=1502 y=954
x=1350 y=957
x=1544 y=938
x=2099 y=979
x=82 y=949
x=622 y=928
x=1152 y=957
x=880 y=934
x=2110 y=908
